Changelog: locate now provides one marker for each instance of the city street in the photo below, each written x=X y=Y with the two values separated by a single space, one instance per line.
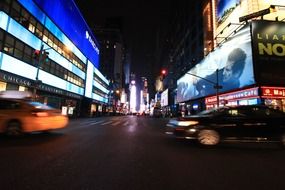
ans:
x=133 y=153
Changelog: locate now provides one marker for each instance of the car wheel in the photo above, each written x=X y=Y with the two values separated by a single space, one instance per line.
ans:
x=14 y=128
x=208 y=137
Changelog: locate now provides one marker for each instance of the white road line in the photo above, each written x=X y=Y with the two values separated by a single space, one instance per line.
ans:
x=116 y=123
x=126 y=123
x=108 y=122
x=93 y=123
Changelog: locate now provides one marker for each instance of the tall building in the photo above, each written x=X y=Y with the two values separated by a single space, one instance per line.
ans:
x=112 y=54
x=112 y=59
x=183 y=46
x=47 y=48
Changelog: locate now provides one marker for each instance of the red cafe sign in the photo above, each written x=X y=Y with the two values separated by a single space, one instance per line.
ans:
x=238 y=95
x=273 y=92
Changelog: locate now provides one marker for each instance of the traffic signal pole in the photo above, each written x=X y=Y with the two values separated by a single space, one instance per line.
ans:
x=39 y=63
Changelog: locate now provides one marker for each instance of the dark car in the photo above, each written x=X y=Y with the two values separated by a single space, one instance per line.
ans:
x=254 y=123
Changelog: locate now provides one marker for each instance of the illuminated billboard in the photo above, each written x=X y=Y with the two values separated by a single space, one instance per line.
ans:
x=233 y=60
x=269 y=52
x=225 y=8
x=227 y=14
x=164 y=98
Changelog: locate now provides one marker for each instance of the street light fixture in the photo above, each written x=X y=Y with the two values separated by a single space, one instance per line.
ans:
x=216 y=84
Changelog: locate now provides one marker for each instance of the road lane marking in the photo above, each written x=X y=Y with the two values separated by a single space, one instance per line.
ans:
x=108 y=122
x=93 y=123
x=116 y=123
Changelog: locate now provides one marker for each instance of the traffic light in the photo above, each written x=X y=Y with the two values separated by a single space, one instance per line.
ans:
x=41 y=55
x=45 y=57
x=37 y=54
x=163 y=73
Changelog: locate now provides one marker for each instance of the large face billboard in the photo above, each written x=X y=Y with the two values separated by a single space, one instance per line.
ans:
x=229 y=65
x=269 y=52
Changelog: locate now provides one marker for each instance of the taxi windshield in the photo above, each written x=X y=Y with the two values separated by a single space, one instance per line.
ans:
x=40 y=105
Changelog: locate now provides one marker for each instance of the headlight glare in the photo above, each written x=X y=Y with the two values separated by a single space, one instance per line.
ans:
x=187 y=123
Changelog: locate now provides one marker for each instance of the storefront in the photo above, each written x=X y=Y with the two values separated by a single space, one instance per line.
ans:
x=270 y=96
x=242 y=97
x=274 y=96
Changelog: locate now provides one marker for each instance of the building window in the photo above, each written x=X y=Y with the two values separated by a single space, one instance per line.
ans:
x=22 y=88
x=19 y=49
x=5 y=6
x=3 y=86
x=9 y=45
x=1 y=39
x=39 y=30
x=27 y=54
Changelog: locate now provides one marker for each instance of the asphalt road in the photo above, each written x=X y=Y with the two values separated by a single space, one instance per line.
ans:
x=133 y=153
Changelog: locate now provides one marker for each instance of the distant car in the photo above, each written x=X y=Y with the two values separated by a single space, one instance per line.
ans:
x=157 y=112
x=23 y=116
x=254 y=123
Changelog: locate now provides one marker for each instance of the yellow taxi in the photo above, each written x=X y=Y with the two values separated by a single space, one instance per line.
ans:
x=18 y=116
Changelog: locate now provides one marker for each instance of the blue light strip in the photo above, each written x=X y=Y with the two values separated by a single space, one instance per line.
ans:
x=99 y=86
x=98 y=73
x=15 y=66
x=99 y=98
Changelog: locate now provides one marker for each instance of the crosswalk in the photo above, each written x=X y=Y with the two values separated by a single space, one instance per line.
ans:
x=106 y=122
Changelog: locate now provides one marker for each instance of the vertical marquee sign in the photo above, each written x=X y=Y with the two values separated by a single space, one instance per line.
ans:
x=268 y=43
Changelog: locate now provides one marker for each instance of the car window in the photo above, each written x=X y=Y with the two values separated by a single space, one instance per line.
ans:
x=8 y=105
x=40 y=105
x=237 y=112
x=208 y=112
x=277 y=113
x=267 y=112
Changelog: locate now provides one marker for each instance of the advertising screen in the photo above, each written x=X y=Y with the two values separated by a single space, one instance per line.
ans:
x=164 y=98
x=225 y=8
x=269 y=52
x=230 y=63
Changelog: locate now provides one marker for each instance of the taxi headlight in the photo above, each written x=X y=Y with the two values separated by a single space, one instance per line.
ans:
x=187 y=123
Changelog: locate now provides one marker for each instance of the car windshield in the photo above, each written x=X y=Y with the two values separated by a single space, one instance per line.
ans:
x=40 y=105
x=212 y=111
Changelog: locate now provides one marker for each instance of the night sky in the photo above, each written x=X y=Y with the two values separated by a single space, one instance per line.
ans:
x=140 y=18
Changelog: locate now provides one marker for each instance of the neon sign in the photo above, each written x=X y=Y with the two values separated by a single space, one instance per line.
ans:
x=276 y=92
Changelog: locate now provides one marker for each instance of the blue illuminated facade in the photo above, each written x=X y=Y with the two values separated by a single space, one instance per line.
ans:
x=70 y=75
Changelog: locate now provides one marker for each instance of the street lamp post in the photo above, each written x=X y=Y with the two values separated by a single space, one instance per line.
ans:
x=216 y=84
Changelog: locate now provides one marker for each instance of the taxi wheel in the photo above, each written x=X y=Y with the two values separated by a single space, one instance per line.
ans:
x=208 y=137
x=14 y=128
